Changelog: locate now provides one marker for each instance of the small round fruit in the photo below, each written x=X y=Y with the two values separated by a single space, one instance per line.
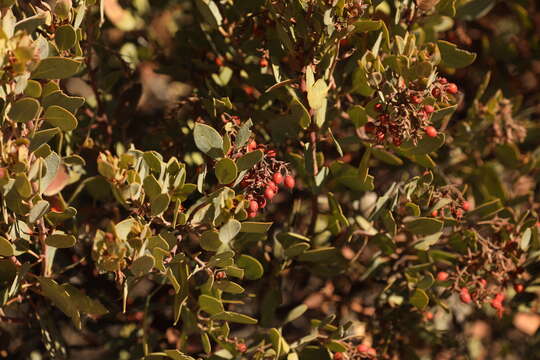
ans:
x=241 y=347
x=372 y=352
x=519 y=288
x=416 y=99
x=429 y=109
x=338 y=356
x=272 y=185
x=443 y=81
x=483 y=282
x=262 y=203
x=252 y=214
x=219 y=61
x=271 y=153
x=431 y=131
x=253 y=206
x=378 y=107
x=464 y=296
x=466 y=206
x=220 y=275
x=263 y=62
x=289 y=181
x=252 y=145
x=363 y=348
x=269 y=193
x=396 y=141
x=429 y=315
x=452 y=88
x=436 y=92
x=278 y=178
x=442 y=276
x=434 y=213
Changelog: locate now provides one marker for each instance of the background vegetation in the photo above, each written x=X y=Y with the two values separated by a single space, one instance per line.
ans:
x=269 y=179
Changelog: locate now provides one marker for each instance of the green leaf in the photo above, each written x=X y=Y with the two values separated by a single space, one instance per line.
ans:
x=33 y=89
x=177 y=355
x=423 y=225
x=296 y=249
x=38 y=210
x=317 y=94
x=442 y=113
x=222 y=259
x=23 y=186
x=226 y=171
x=59 y=98
x=386 y=157
x=210 y=241
x=159 y=204
x=60 y=117
x=142 y=265
x=61 y=298
x=210 y=304
x=300 y=114
x=358 y=115
x=24 y=110
x=249 y=160
x=229 y=287
x=42 y=136
x=323 y=255
x=252 y=267
x=228 y=231
x=295 y=313
x=210 y=12
x=454 y=57
x=151 y=187
x=56 y=67
x=6 y=248
x=60 y=240
x=447 y=7
x=485 y=210
x=65 y=37
x=426 y=145
x=255 y=227
x=208 y=140
x=419 y=299
x=234 y=317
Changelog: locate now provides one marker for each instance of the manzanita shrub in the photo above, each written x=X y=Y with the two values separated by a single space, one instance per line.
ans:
x=269 y=179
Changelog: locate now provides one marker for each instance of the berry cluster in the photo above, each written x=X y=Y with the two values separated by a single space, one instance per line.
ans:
x=361 y=351
x=405 y=115
x=261 y=184
x=455 y=208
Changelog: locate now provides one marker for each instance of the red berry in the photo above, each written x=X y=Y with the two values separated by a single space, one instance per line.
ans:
x=272 y=185
x=369 y=127
x=483 y=282
x=219 y=61
x=363 y=348
x=252 y=214
x=466 y=206
x=338 y=356
x=499 y=297
x=519 y=288
x=416 y=99
x=396 y=141
x=3 y=172
x=459 y=213
x=252 y=145
x=278 y=178
x=380 y=135
x=220 y=275
x=262 y=203
x=431 y=131
x=378 y=107
x=452 y=88
x=429 y=315
x=289 y=181
x=434 y=213
x=436 y=92
x=428 y=109
x=442 y=276
x=271 y=153
x=465 y=296
x=253 y=206
x=443 y=81
x=241 y=347
x=263 y=62
x=372 y=352
x=269 y=193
